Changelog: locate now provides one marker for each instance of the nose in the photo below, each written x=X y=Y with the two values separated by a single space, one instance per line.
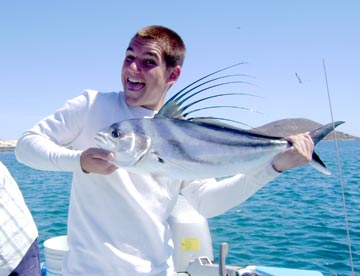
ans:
x=135 y=66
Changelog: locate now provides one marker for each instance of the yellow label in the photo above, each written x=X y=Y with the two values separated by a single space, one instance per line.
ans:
x=190 y=244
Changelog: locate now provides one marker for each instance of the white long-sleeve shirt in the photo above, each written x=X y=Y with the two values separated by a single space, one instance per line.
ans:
x=117 y=223
x=17 y=227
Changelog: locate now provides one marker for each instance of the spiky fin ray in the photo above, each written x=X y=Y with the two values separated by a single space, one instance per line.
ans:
x=219 y=106
x=207 y=88
x=207 y=98
x=211 y=74
x=173 y=107
x=184 y=93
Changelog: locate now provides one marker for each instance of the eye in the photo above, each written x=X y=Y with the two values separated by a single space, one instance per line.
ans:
x=116 y=133
x=129 y=58
x=149 y=62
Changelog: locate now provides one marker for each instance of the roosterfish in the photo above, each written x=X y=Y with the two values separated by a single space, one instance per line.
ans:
x=174 y=145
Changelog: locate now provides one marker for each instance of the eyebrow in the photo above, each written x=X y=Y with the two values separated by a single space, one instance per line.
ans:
x=146 y=53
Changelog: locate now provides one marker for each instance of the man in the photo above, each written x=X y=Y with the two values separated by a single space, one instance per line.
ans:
x=19 y=252
x=118 y=220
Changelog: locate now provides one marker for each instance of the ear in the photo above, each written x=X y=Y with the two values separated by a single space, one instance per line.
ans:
x=174 y=74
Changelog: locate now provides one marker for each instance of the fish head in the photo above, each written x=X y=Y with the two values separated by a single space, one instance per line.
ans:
x=127 y=144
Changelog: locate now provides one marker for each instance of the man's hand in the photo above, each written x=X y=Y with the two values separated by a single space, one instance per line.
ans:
x=97 y=161
x=299 y=154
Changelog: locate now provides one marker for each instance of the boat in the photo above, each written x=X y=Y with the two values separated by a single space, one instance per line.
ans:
x=193 y=251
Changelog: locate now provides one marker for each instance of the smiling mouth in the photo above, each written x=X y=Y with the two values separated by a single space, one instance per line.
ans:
x=134 y=84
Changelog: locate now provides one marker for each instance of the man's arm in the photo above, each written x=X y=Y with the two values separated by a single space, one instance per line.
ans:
x=211 y=198
x=46 y=146
x=37 y=151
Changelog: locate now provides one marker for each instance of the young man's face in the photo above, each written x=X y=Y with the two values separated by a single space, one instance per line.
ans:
x=144 y=75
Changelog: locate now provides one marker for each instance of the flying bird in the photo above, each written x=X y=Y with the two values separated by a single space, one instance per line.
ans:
x=297 y=76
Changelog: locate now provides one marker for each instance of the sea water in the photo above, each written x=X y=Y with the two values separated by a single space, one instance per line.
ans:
x=296 y=221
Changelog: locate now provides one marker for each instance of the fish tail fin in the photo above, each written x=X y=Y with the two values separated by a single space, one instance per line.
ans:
x=318 y=164
x=317 y=135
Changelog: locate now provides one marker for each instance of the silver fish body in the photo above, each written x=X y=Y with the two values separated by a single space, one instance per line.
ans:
x=187 y=150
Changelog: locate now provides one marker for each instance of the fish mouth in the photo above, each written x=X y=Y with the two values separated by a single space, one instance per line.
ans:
x=134 y=84
x=104 y=142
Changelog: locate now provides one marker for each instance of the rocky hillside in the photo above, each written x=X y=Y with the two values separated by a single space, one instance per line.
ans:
x=288 y=127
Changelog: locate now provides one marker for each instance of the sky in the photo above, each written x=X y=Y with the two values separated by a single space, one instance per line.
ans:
x=51 y=51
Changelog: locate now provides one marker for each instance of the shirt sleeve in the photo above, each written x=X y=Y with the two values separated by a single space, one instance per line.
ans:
x=47 y=146
x=211 y=197
x=18 y=229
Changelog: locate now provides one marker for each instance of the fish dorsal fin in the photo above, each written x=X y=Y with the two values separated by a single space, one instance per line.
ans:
x=213 y=121
x=178 y=105
x=170 y=110
x=216 y=121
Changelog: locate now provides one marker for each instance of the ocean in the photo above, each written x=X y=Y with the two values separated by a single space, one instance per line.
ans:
x=295 y=221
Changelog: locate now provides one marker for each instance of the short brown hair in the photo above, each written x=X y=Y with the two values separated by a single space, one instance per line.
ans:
x=171 y=43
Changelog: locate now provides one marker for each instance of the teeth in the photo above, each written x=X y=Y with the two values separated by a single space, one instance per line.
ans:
x=134 y=80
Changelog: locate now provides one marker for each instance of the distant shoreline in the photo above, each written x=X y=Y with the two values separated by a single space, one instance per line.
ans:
x=12 y=148
x=5 y=149
x=7 y=145
x=280 y=128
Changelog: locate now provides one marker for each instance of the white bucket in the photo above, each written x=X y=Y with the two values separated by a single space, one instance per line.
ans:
x=54 y=251
x=191 y=235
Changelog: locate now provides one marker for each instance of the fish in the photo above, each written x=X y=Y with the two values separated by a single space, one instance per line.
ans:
x=178 y=146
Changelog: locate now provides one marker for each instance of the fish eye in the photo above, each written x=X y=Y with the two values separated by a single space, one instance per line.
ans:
x=116 y=133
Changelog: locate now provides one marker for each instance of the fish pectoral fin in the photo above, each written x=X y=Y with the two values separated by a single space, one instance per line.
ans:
x=142 y=147
x=171 y=163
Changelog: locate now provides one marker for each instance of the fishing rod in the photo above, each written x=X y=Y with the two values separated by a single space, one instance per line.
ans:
x=340 y=173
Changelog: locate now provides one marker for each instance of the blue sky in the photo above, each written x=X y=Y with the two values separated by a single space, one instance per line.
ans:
x=51 y=51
